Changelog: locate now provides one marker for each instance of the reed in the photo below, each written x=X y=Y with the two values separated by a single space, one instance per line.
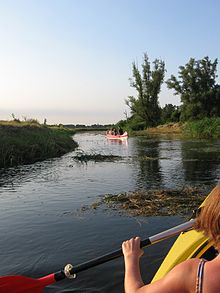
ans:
x=205 y=128
x=25 y=143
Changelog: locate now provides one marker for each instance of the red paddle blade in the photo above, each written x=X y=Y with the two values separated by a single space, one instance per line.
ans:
x=20 y=284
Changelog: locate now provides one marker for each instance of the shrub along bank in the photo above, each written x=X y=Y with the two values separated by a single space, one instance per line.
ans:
x=23 y=143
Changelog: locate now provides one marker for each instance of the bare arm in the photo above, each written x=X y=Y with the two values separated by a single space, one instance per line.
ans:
x=175 y=281
x=132 y=253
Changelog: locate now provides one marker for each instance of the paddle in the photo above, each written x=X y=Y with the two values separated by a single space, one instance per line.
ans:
x=21 y=284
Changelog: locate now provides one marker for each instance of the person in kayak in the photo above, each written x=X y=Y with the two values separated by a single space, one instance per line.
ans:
x=190 y=276
x=120 y=130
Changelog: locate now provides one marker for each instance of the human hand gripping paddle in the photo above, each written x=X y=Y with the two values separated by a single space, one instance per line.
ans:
x=21 y=284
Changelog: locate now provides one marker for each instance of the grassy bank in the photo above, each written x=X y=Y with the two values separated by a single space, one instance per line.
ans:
x=205 y=128
x=170 y=128
x=25 y=143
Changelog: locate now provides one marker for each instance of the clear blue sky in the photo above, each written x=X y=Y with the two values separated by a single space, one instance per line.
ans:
x=70 y=60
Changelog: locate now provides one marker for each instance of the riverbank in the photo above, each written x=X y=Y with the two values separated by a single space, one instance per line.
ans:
x=26 y=143
x=169 y=128
x=205 y=128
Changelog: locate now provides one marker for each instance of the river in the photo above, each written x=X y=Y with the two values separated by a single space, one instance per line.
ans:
x=45 y=222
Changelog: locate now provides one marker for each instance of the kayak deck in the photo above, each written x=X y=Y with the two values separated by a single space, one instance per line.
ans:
x=190 y=244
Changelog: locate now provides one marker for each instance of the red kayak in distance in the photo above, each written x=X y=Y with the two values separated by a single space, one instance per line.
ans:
x=117 y=136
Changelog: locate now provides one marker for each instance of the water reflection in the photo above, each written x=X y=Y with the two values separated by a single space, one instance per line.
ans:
x=147 y=163
x=12 y=178
x=201 y=161
x=148 y=159
x=166 y=163
x=41 y=218
x=118 y=142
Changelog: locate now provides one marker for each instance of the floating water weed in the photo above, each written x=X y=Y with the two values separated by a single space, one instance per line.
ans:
x=84 y=158
x=163 y=202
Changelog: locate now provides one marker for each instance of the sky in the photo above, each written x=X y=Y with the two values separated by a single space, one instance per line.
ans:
x=69 y=61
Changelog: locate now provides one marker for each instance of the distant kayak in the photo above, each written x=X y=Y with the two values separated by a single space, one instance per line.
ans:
x=117 y=136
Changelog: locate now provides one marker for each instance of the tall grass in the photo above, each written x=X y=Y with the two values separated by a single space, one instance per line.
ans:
x=205 y=128
x=25 y=143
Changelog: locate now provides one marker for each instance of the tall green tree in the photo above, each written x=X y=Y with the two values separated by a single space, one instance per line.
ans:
x=196 y=85
x=170 y=113
x=145 y=106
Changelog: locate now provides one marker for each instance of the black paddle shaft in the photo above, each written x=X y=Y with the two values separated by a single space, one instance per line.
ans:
x=104 y=258
x=146 y=242
x=117 y=253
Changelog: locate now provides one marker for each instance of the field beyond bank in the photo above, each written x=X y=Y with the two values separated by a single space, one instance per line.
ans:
x=26 y=143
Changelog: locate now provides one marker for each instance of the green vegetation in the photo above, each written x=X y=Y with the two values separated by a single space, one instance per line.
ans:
x=27 y=142
x=145 y=107
x=196 y=85
x=199 y=94
x=170 y=113
x=205 y=128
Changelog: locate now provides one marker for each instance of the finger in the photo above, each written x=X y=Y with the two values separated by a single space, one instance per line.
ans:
x=137 y=238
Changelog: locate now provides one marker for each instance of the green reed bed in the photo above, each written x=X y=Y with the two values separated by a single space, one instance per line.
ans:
x=205 y=128
x=25 y=143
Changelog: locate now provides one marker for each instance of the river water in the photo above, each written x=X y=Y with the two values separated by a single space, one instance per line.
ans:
x=45 y=222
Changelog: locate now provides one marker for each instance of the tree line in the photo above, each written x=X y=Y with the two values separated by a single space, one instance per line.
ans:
x=195 y=84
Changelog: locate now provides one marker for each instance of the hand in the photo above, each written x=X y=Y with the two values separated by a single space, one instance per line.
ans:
x=131 y=248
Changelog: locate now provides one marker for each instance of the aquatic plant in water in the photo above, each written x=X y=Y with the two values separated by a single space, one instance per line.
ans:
x=163 y=202
x=83 y=157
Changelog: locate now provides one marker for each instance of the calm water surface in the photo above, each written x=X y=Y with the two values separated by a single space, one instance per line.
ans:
x=44 y=224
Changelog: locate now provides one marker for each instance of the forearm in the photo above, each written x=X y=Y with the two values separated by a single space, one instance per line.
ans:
x=133 y=280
